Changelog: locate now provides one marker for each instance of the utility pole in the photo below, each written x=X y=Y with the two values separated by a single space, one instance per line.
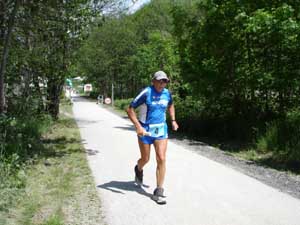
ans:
x=112 y=94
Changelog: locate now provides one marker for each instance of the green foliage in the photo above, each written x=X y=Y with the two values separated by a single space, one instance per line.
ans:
x=20 y=135
x=126 y=51
x=122 y=103
x=283 y=137
x=241 y=59
x=272 y=34
x=54 y=220
x=104 y=58
x=158 y=54
x=61 y=171
x=188 y=107
x=45 y=38
x=12 y=179
x=189 y=112
x=155 y=16
x=19 y=141
x=233 y=64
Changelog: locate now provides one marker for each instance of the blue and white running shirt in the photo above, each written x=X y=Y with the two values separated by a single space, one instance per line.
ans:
x=153 y=105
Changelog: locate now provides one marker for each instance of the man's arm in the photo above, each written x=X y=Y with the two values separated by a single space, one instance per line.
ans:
x=171 y=110
x=132 y=116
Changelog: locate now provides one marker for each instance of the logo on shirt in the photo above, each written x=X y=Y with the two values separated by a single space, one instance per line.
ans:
x=160 y=102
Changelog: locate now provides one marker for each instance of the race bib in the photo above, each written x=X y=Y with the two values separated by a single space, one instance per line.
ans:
x=157 y=130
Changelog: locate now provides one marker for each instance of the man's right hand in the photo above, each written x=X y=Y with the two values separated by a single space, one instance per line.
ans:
x=141 y=132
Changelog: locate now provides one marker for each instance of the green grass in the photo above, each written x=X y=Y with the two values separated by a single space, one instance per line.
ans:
x=59 y=187
x=54 y=220
x=249 y=154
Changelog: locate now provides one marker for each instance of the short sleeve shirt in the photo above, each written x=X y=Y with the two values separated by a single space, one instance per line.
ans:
x=153 y=105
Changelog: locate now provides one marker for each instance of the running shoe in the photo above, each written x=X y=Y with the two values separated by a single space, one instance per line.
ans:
x=158 y=196
x=138 y=175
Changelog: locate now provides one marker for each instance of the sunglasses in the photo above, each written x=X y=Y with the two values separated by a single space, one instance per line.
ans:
x=163 y=81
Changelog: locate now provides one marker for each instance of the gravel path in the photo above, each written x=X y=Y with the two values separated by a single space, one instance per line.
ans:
x=284 y=181
x=199 y=190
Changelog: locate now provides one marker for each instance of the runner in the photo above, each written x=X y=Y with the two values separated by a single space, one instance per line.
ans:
x=151 y=128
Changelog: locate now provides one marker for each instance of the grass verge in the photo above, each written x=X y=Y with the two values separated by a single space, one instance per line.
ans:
x=59 y=187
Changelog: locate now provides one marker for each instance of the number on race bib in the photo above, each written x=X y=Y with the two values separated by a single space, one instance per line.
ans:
x=157 y=130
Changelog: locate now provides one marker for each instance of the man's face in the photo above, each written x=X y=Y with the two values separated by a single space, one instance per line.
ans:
x=159 y=85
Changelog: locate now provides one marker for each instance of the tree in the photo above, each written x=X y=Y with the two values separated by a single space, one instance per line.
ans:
x=241 y=58
x=128 y=49
x=158 y=54
x=6 y=36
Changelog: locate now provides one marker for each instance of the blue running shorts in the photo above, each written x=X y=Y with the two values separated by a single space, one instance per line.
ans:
x=158 y=132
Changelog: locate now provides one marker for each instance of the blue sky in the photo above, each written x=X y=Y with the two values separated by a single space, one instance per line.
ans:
x=136 y=4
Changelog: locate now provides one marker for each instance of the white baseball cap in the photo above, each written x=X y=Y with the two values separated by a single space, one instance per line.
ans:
x=160 y=75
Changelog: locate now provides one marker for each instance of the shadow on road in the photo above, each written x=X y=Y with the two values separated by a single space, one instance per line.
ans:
x=86 y=122
x=120 y=186
x=77 y=98
x=92 y=152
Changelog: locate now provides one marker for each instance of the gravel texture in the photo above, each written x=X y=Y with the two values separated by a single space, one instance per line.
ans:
x=284 y=181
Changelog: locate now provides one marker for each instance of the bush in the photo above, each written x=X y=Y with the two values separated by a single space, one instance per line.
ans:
x=188 y=108
x=282 y=137
x=20 y=135
x=12 y=178
x=199 y=120
x=122 y=103
x=19 y=139
x=94 y=94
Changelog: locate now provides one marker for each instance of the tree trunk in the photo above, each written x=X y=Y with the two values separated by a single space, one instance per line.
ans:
x=54 y=90
x=5 y=55
x=41 y=107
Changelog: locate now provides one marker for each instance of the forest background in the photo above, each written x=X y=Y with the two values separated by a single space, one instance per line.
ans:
x=233 y=64
x=234 y=68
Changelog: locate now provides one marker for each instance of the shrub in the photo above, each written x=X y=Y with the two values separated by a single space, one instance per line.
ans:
x=283 y=137
x=19 y=139
x=20 y=135
x=94 y=94
x=188 y=108
x=122 y=103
